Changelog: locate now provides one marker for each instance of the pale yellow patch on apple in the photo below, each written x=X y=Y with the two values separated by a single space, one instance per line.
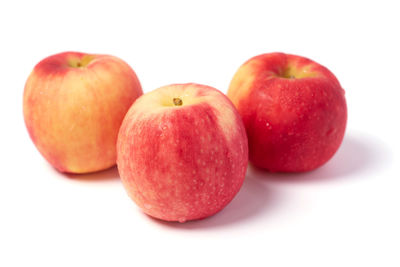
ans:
x=242 y=81
x=162 y=98
x=184 y=96
x=81 y=62
x=294 y=71
x=227 y=120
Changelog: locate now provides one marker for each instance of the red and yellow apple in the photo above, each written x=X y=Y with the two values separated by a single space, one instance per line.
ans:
x=182 y=152
x=74 y=104
x=294 y=111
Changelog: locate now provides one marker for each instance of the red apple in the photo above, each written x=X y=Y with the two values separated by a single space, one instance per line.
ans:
x=182 y=152
x=294 y=111
x=74 y=104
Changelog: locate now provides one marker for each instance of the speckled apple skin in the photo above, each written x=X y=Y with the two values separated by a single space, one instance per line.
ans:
x=181 y=163
x=293 y=125
x=73 y=115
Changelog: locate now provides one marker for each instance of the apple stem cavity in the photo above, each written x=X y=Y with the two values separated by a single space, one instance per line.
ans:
x=177 y=101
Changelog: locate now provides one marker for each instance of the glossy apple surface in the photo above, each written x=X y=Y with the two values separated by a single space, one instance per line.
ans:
x=73 y=106
x=294 y=111
x=182 y=152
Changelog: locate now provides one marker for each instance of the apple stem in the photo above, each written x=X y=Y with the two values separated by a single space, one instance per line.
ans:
x=177 y=101
x=79 y=64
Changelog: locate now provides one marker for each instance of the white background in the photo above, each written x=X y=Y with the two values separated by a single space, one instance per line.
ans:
x=343 y=214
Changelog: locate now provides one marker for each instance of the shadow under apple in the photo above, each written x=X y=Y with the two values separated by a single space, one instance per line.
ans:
x=104 y=175
x=253 y=198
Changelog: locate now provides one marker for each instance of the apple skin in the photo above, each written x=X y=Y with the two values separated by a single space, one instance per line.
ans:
x=181 y=163
x=294 y=111
x=73 y=106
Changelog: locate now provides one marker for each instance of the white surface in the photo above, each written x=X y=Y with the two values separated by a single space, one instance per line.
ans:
x=344 y=214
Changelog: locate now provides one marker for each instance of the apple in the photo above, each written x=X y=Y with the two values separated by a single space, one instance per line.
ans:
x=182 y=152
x=73 y=106
x=294 y=111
